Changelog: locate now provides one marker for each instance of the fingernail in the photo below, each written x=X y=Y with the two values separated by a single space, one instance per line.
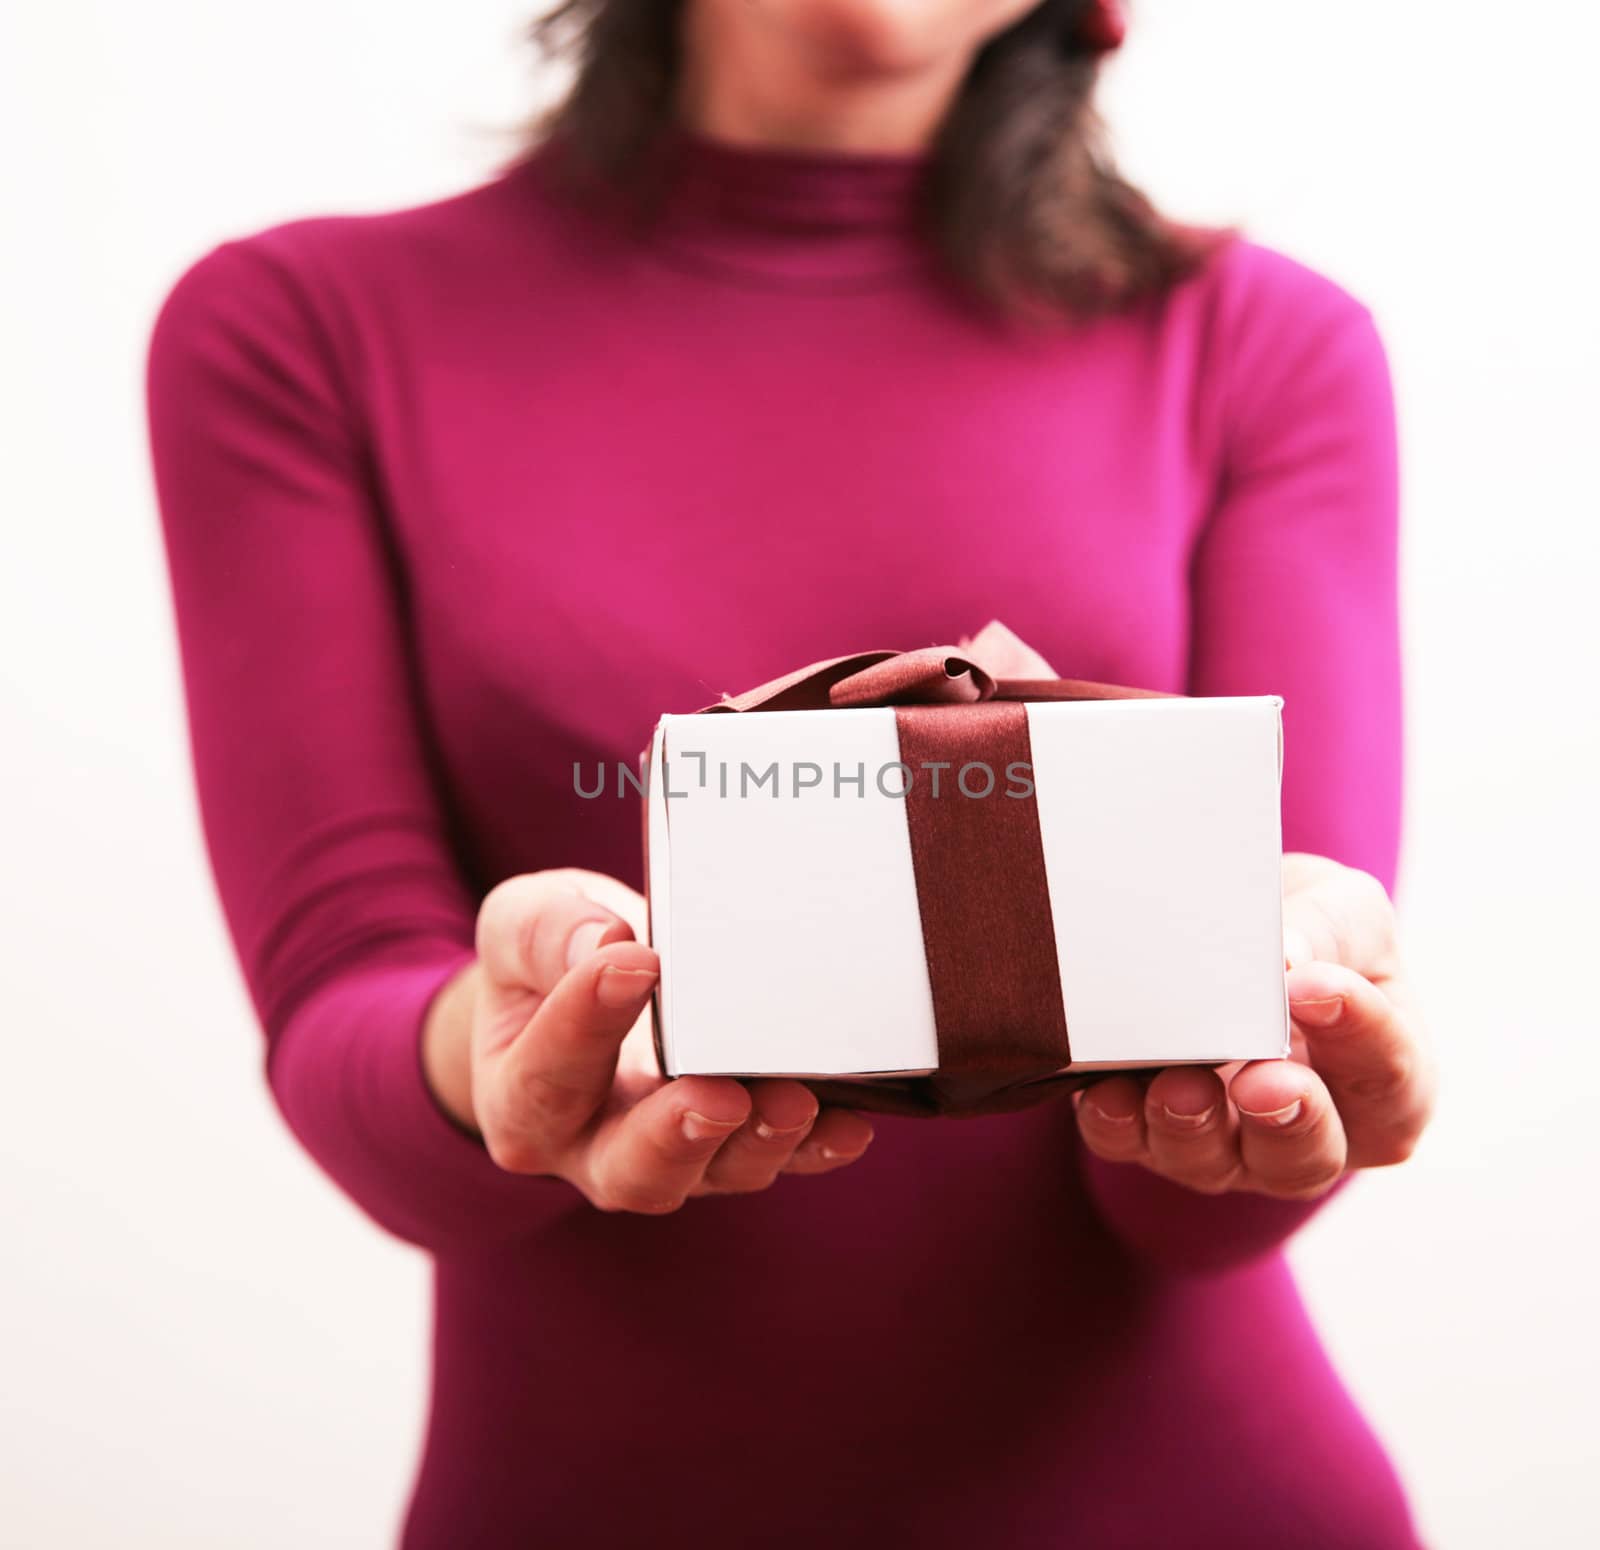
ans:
x=1118 y=1120
x=833 y=1154
x=701 y=1127
x=1189 y=1121
x=1284 y=1116
x=1322 y=1012
x=584 y=940
x=623 y=987
x=766 y=1132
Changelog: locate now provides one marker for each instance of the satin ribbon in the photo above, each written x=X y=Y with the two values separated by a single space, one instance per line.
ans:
x=982 y=892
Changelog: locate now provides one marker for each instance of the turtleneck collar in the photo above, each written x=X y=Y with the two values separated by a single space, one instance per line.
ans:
x=834 y=219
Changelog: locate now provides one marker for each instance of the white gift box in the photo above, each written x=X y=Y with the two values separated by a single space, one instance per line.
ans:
x=785 y=911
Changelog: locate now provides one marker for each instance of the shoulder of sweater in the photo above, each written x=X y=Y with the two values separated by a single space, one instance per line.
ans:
x=1249 y=280
x=1273 y=336
x=314 y=295
x=1263 y=309
x=328 y=261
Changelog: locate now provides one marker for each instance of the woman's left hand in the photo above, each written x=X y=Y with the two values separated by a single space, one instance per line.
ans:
x=1356 y=1091
x=1358 y=1088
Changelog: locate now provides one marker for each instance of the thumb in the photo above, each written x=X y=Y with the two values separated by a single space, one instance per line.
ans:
x=533 y=928
x=1297 y=947
x=1343 y=917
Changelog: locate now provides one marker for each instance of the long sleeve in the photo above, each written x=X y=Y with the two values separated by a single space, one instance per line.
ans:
x=327 y=839
x=1293 y=592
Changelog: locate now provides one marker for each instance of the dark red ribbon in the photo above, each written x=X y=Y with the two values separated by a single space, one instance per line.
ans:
x=982 y=892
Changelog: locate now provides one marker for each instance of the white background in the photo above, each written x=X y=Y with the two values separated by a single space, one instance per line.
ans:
x=201 y=1343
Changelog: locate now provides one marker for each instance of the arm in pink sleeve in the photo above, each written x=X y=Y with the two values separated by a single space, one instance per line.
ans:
x=326 y=836
x=1294 y=593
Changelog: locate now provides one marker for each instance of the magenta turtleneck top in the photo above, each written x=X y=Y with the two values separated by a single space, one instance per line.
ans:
x=458 y=496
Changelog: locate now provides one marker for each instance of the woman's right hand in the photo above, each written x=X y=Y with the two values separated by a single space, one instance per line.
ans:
x=543 y=1047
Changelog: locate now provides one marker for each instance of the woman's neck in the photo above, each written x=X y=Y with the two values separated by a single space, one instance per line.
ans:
x=743 y=83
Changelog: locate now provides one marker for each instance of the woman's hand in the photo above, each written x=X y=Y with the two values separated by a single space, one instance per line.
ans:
x=1358 y=1089
x=1356 y=1092
x=543 y=1046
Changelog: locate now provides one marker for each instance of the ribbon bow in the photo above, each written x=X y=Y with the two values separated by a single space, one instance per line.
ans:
x=934 y=675
x=982 y=891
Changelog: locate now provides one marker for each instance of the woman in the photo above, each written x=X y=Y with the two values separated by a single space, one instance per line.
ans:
x=814 y=324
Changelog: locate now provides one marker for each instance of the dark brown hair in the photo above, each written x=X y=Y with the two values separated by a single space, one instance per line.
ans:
x=1023 y=202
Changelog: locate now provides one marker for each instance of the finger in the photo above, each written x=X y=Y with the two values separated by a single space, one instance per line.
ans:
x=781 y=1116
x=1344 y=916
x=533 y=928
x=1367 y=1051
x=655 y=1154
x=1190 y=1129
x=550 y=1081
x=1290 y=1138
x=837 y=1139
x=1111 y=1119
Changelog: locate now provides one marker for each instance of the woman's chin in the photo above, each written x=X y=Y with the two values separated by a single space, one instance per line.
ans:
x=882 y=38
